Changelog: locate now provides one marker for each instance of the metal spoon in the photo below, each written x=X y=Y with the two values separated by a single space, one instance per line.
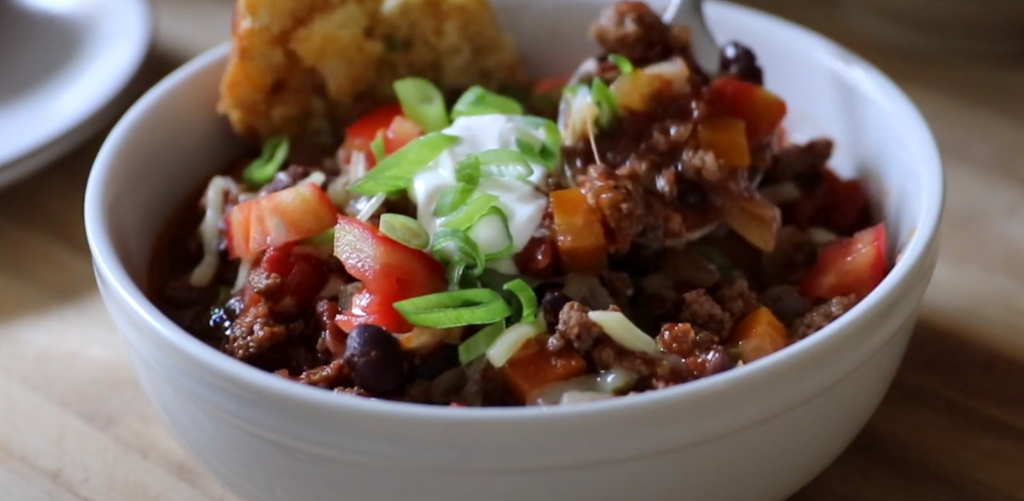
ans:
x=702 y=44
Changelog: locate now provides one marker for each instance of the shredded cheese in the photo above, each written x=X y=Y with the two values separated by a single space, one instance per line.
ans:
x=244 y=267
x=209 y=230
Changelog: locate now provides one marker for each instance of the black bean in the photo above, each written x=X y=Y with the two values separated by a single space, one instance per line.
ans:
x=740 y=61
x=552 y=304
x=438 y=362
x=376 y=360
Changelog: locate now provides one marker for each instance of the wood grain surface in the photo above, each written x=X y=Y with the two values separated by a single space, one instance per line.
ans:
x=74 y=425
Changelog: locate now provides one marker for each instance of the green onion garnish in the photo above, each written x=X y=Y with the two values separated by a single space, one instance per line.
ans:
x=547 y=151
x=506 y=163
x=322 y=239
x=395 y=171
x=625 y=66
x=480 y=232
x=455 y=308
x=452 y=198
x=604 y=99
x=526 y=296
x=451 y=246
x=457 y=278
x=422 y=102
x=262 y=170
x=480 y=101
x=477 y=345
x=472 y=211
x=404 y=230
x=377 y=148
x=467 y=171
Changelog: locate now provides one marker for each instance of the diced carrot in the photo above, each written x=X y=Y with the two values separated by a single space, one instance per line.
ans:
x=533 y=368
x=727 y=138
x=759 y=108
x=759 y=334
x=580 y=235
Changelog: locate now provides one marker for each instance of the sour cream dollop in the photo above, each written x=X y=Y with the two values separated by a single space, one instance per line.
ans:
x=522 y=200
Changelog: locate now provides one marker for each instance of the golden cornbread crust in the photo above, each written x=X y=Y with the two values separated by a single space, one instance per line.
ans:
x=307 y=68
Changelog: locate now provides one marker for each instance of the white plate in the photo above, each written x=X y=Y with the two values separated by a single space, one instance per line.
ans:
x=62 y=65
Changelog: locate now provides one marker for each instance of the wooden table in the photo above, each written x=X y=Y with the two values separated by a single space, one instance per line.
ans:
x=74 y=425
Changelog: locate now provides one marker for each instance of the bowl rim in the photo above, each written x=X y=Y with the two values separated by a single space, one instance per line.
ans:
x=267 y=385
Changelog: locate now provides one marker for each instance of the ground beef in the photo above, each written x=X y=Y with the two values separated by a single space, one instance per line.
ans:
x=652 y=371
x=822 y=315
x=633 y=30
x=786 y=303
x=802 y=163
x=700 y=310
x=736 y=298
x=255 y=333
x=619 y=286
x=621 y=204
x=575 y=328
x=677 y=339
x=332 y=338
x=264 y=283
x=329 y=376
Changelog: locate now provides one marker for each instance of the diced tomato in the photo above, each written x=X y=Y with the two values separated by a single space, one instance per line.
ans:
x=303 y=275
x=389 y=271
x=759 y=108
x=400 y=133
x=361 y=134
x=853 y=265
x=727 y=138
x=533 y=368
x=285 y=216
x=759 y=334
x=580 y=235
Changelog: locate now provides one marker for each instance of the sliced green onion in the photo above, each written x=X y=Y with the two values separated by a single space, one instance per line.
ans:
x=452 y=198
x=475 y=347
x=452 y=246
x=457 y=277
x=527 y=298
x=377 y=148
x=472 y=211
x=262 y=170
x=480 y=232
x=547 y=151
x=604 y=99
x=505 y=163
x=623 y=331
x=625 y=66
x=404 y=230
x=395 y=171
x=468 y=171
x=455 y=308
x=509 y=342
x=480 y=101
x=422 y=102
x=322 y=239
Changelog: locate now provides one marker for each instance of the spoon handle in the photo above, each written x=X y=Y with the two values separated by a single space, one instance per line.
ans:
x=702 y=44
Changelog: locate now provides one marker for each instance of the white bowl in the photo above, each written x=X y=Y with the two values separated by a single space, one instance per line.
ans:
x=756 y=433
